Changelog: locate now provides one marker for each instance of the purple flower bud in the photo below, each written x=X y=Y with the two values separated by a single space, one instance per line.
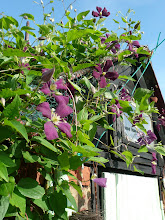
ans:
x=100 y=181
x=47 y=74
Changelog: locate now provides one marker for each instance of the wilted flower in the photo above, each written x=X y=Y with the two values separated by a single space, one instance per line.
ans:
x=154 y=163
x=100 y=181
x=115 y=108
x=56 y=119
x=100 y=12
x=102 y=75
x=147 y=139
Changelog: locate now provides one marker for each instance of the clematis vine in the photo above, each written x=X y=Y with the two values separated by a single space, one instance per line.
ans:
x=56 y=119
x=115 y=108
x=146 y=139
x=100 y=12
x=154 y=163
x=103 y=74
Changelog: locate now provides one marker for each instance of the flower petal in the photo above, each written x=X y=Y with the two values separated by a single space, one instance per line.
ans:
x=60 y=84
x=153 y=168
x=47 y=74
x=50 y=131
x=95 y=14
x=136 y=43
x=103 y=39
x=98 y=68
x=96 y=74
x=66 y=128
x=107 y=65
x=112 y=75
x=45 y=109
x=105 y=12
x=63 y=110
x=61 y=99
x=100 y=181
x=45 y=89
x=99 y=9
x=102 y=82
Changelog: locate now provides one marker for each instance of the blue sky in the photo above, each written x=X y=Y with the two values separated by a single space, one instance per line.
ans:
x=151 y=13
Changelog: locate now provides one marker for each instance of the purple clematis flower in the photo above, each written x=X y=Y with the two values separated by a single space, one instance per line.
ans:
x=137 y=119
x=51 y=86
x=100 y=12
x=124 y=95
x=147 y=139
x=100 y=181
x=115 y=108
x=102 y=75
x=56 y=118
x=154 y=163
x=132 y=45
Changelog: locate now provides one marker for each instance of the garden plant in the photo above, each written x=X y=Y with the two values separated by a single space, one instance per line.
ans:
x=55 y=90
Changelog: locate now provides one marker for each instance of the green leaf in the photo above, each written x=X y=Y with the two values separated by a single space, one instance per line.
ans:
x=96 y=117
x=82 y=66
x=75 y=161
x=140 y=50
x=30 y=17
x=6 y=93
x=3 y=172
x=83 y=138
x=15 y=52
x=30 y=158
x=116 y=21
x=100 y=21
x=124 y=20
x=13 y=21
x=92 y=131
x=75 y=86
x=83 y=114
x=82 y=15
x=45 y=143
x=5 y=132
x=112 y=37
x=18 y=127
x=12 y=110
x=86 y=82
x=123 y=54
x=78 y=188
x=160 y=150
x=129 y=157
x=58 y=202
x=100 y=92
x=109 y=95
x=141 y=92
x=76 y=34
x=26 y=28
x=4 y=204
x=31 y=33
x=127 y=78
x=6 y=189
x=67 y=192
x=143 y=149
x=6 y=160
x=64 y=161
x=18 y=200
x=137 y=170
x=100 y=160
x=30 y=188
x=42 y=203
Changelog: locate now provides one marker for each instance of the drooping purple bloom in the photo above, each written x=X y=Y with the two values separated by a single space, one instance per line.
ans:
x=161 y=120
x=115 y=108
x=56 y=119
x=133 y=45
x=124 y=95
x=100 y=12
x=103 y=74
x=47 y=74
x=154 y=163
x=100 y=181
x=147 y=139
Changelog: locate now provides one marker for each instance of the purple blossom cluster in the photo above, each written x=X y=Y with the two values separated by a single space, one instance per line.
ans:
x=124 y=95
x=100 y=12
x=147 y=139
x=115 y=108
x=102 y=73
x=114 y=45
